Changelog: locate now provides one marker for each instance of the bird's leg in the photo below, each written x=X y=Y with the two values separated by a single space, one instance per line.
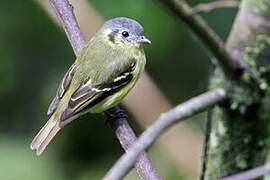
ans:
x=114 y=113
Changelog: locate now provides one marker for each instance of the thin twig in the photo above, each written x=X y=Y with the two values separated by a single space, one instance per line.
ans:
x=207 y=7
x=123 y=131
x=250 y=174
x=204 y=32
x=166 y=120
x=206 y=142
x=232 y=67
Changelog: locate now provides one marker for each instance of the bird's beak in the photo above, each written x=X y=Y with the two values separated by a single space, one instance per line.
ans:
x=144 y=40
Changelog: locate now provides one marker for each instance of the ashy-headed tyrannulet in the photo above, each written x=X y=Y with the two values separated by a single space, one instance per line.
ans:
x=102 y=75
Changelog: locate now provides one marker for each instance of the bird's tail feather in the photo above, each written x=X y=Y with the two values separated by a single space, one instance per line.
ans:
x=45 y=135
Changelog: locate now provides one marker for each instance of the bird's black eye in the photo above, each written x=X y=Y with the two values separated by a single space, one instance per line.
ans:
x=125 y=34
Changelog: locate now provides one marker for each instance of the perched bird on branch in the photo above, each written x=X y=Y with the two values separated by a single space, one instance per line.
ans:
x=102 y=75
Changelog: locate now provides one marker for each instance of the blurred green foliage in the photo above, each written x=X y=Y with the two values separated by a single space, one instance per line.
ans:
x=34 y=55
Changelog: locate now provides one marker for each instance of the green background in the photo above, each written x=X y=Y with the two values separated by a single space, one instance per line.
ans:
x=34 y=55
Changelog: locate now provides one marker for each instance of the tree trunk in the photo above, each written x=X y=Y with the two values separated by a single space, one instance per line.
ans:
x=240 y=135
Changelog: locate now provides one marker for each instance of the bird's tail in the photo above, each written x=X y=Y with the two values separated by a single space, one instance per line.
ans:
x=45 y=135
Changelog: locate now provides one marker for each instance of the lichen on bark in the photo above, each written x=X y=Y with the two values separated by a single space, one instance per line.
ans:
x=235 y=131
x=240 y=136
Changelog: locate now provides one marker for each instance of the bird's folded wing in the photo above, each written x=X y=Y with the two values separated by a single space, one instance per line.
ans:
x=89 y=94
x=62 y=88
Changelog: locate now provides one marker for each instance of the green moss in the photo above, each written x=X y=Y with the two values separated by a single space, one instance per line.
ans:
x=261 y=143
x=249 y=60
x=217 y=79
x=234 y=105
x=264 y=85
x=246 y=77
x=240 y=97
x=250 y=56
x=235 y=150
x=241 y=144
x=241 y=163
x=247 y=139
x=240 y=126
x=261 y=7
x=264 y=109
x=264 y=69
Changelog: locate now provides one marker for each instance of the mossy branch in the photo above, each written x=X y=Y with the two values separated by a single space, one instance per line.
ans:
x=232 y=67
x=240 y=134
x=166 y=120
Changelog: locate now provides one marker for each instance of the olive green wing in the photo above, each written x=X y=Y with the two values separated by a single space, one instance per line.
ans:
x=88 y=94
x=62 y=88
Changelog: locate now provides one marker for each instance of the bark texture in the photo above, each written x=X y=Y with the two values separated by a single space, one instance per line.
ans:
x=240 y=135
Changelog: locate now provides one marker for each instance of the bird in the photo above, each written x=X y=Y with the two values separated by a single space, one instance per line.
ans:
x=103 y=73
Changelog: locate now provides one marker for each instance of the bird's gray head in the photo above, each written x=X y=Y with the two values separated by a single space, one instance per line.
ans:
x=126 y=30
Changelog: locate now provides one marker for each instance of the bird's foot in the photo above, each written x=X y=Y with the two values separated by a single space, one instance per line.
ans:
x=114 y=113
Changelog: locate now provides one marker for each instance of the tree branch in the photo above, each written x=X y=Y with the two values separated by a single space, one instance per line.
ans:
x=205 y=33
x=166 y=120
x=207 y=7
x=64 y=11
x=208 y=129
x=123 y=131
x=231 y=66
x=127 y=138
x=250 y=174
x=228 y=152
